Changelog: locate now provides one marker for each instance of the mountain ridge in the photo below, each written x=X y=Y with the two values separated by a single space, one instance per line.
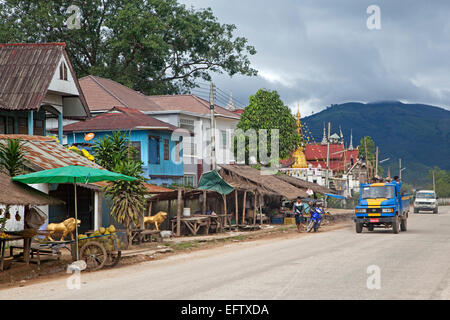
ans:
x=417 y=133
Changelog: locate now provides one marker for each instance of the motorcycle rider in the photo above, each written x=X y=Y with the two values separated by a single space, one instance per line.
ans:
x=299 y=209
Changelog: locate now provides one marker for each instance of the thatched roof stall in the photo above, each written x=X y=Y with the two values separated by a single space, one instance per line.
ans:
x=247 y=178
x=16 y=193
x=304 y=184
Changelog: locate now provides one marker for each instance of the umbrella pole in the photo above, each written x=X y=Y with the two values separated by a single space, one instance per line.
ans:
x=76 y=218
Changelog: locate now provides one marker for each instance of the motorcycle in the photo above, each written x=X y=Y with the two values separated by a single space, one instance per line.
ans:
x=316 y=219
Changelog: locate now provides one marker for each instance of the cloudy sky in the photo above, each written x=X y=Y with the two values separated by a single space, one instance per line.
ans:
x=317 y=52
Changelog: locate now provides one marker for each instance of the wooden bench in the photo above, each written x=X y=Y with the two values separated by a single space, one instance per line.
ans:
x=142 y=235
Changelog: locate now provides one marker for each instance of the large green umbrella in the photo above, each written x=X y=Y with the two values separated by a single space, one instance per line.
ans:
x=72 y=174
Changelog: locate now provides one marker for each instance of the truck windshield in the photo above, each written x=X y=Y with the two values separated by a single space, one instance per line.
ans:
x=425 y=195
x=377 y=192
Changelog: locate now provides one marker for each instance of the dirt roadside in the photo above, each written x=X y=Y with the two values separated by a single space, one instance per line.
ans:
x=20 y=274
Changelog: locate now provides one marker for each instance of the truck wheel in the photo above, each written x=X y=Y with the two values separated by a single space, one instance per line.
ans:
x=435 y=210
x=395 y=225
x=359 y=227
x=404 y=225
x=416 y=210
x=370 y=228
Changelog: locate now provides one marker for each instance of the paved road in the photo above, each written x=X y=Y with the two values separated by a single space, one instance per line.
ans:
x=328 y=265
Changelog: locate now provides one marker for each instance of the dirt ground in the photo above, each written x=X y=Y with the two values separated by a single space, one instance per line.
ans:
x=19 y=273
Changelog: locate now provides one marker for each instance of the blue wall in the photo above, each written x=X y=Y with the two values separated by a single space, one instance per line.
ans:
x=168 y=168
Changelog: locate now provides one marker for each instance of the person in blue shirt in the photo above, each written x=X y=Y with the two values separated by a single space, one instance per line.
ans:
x=299 y=209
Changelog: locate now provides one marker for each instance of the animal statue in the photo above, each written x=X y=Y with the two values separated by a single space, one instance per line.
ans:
x=66 y=227
x=157 y=219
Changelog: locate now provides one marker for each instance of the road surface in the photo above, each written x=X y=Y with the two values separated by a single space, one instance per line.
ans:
x=329 y=265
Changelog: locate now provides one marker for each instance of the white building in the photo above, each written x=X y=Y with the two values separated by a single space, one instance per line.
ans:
x=186 y=111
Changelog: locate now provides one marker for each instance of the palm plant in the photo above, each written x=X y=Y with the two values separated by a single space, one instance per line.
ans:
x=12 y=157
x=114 y=153
x=12 y=160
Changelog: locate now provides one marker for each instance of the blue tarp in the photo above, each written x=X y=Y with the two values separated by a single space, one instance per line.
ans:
x=334 y=196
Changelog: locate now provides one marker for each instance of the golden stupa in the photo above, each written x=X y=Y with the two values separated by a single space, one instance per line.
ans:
x=299 y=156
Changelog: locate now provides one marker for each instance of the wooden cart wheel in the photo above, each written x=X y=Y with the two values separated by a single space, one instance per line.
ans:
x=94 y=254
x=113 y=258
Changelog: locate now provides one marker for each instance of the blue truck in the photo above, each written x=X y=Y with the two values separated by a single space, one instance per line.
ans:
x=382 y=205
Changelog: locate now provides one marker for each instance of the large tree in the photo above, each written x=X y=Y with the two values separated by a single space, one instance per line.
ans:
x=153 y=46
x=267 y=111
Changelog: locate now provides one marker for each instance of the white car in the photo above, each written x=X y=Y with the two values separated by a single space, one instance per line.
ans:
x=425 y=201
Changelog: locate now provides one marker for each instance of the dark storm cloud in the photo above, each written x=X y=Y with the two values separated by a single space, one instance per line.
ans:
x=321 y=52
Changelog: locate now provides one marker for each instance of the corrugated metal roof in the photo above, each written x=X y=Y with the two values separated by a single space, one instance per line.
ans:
x=26 y=70
x=25 y=73
x=119 y=118
x=104 y=94
x=44 y=153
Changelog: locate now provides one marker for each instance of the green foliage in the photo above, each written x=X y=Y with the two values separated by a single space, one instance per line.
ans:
x=267 y=111
x=12 y=157
x=113 y=150
x=367 y=142
x=114 y=153
x=153 y=46
x=442 y=181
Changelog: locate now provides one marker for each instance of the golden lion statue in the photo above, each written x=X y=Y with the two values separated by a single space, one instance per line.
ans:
x=157 y=219
x=66 y=227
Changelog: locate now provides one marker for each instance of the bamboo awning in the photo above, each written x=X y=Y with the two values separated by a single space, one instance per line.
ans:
x=247 y=178
x=16 y=193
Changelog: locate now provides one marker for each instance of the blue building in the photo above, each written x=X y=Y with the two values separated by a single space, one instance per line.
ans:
x=162 y=156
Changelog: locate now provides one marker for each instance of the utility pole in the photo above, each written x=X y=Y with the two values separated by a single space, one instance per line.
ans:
x=376 y=162
x=434 y=182
x=367 y=160
x=327 y=181
x=400 y=168
x=213 y=127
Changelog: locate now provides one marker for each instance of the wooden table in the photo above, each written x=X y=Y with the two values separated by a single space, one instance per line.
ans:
x=220 y=221
x=193 y=223
x=26 y=248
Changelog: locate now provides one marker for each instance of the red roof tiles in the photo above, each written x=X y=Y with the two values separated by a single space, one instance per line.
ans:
x=119 y=118
x=103 y=94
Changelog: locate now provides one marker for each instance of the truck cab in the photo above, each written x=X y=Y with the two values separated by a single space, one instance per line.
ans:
x=425 y=200
x=382 y=205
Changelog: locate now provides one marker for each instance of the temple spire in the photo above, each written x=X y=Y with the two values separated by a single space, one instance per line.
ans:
x=341 y=135
x=231 y=106
x=324 y=139
x=350 y=147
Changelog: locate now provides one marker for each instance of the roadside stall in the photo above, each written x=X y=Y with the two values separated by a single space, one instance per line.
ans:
x=18 y=197
x=99 y=249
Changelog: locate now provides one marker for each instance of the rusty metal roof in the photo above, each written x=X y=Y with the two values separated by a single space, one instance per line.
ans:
x=43 y=153
x=26 y=70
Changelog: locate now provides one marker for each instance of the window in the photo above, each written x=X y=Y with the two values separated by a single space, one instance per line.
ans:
x=3 y=125
x=377 y=192
x=10 y=125
x=166 y=149
x=188 y=180
x=38 y=128
x=137 y=147
x=23 y=125
x=187 y=124
x=63 y=71
x=153 y=150
x=223 y=134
